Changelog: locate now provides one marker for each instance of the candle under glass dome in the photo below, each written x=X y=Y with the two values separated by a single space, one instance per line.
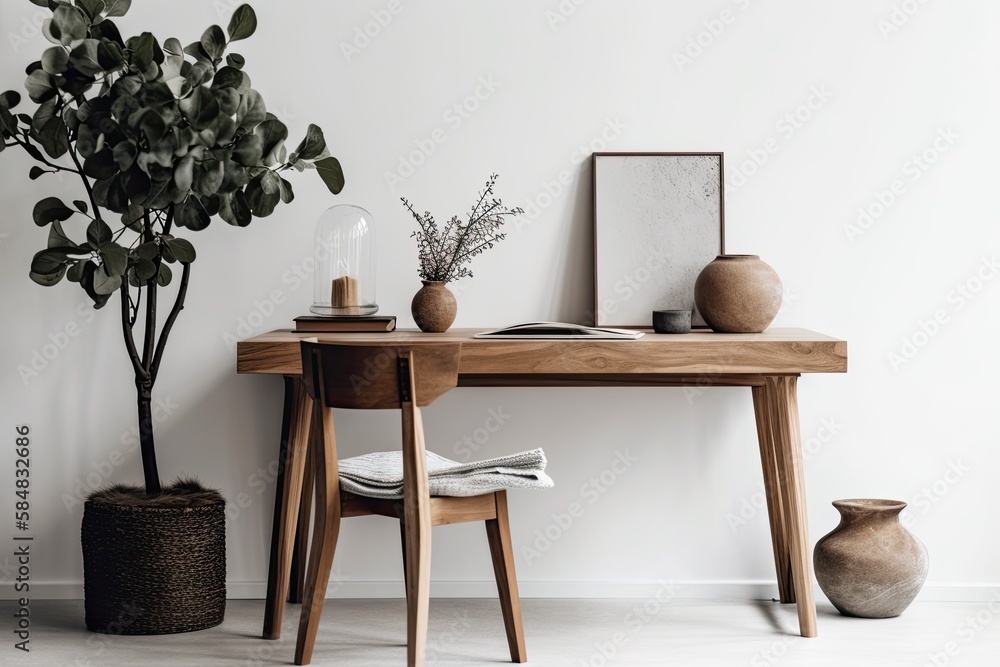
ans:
x=344 y=282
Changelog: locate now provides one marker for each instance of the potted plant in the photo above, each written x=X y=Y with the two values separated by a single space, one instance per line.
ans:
x=163 y=138
x=444 y=254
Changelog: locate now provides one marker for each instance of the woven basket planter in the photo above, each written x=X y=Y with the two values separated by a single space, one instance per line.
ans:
x=151 y=570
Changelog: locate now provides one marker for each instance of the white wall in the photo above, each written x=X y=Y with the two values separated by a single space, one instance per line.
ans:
x=879 y=431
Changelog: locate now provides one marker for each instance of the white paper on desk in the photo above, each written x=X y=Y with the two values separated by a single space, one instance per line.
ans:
x=559 y=330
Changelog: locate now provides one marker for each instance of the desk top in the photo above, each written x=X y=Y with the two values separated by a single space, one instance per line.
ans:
x=774 y=352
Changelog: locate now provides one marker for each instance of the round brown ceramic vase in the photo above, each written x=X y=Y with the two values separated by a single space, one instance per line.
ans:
x=737 y=294
x=433 y=307
x=870 y=566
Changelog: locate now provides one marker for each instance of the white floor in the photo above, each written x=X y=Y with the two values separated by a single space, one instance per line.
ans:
x=567 y=633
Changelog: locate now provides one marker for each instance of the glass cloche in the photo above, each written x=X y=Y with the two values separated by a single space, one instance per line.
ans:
x=345 y=263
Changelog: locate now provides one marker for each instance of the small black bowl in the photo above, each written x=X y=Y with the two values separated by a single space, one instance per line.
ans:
x=672 y=321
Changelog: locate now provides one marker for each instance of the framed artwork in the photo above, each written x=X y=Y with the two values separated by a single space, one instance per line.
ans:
x=659 y=218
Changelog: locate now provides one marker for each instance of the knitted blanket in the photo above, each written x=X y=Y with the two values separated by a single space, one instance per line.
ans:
x=380 y=474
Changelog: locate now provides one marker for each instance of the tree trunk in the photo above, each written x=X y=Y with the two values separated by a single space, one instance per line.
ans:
x=146 y=446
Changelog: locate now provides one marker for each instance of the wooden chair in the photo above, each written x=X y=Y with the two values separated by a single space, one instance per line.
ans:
x=406 y=378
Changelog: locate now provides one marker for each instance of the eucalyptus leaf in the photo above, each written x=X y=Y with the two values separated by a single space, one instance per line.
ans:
x=192 y=215
x=75 y=273
x=84 y=58
x=47 y=262
x=39 y=86
x=115 y=259
x=54 y=60
x=249 y=150
x=145 y=269
x=54 y=137
x=141 y=48
x=98 y=233
x=243 y=23
x=213 y=40
x=101 y=164
x=133 y=218
x=285 y=190
x=58 y=237
x=49 y=210
x=9 y=99
x=69 y=24
x=236 y=60
x=312 y=145
x=93 y=8
x=182 y=250
x=117 y=7
x=330 y=171
x=35 y=172
x=149 y=250
x=105 y=283
x=81 y=206
x=164 y=275
x=235 y=210
x=48 y=280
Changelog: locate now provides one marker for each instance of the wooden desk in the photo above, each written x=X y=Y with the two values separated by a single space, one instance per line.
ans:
x=769 y=363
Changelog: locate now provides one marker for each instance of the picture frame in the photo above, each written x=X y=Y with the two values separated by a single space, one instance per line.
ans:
x=659 y=219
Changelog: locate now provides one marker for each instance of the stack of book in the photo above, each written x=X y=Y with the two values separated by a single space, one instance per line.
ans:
x=360 y=324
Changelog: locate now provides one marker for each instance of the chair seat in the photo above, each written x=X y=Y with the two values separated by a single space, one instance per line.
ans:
x=444 y=509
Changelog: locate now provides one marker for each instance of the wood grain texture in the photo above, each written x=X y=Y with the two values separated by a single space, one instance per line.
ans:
x=783 y=413
x=326 y=529
x=417 y=532
x=502 y=552
x=293 y=469
x=300 y=555
x=366 y=377
x=774 y=351
x=772 y=490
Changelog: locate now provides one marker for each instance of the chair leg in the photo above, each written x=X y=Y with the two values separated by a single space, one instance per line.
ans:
x=301 y=554
x=416 y=535
x=402 y=542
x=325 y=531
x=498 y=532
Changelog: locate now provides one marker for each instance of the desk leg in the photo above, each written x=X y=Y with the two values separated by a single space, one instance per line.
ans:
x=772 y=489
x=782 y=417
x=288 y=491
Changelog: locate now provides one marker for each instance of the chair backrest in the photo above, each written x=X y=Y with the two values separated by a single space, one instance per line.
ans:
x=370 y=377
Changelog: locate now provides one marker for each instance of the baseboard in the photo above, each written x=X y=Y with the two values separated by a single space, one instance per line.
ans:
x=694 y=590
